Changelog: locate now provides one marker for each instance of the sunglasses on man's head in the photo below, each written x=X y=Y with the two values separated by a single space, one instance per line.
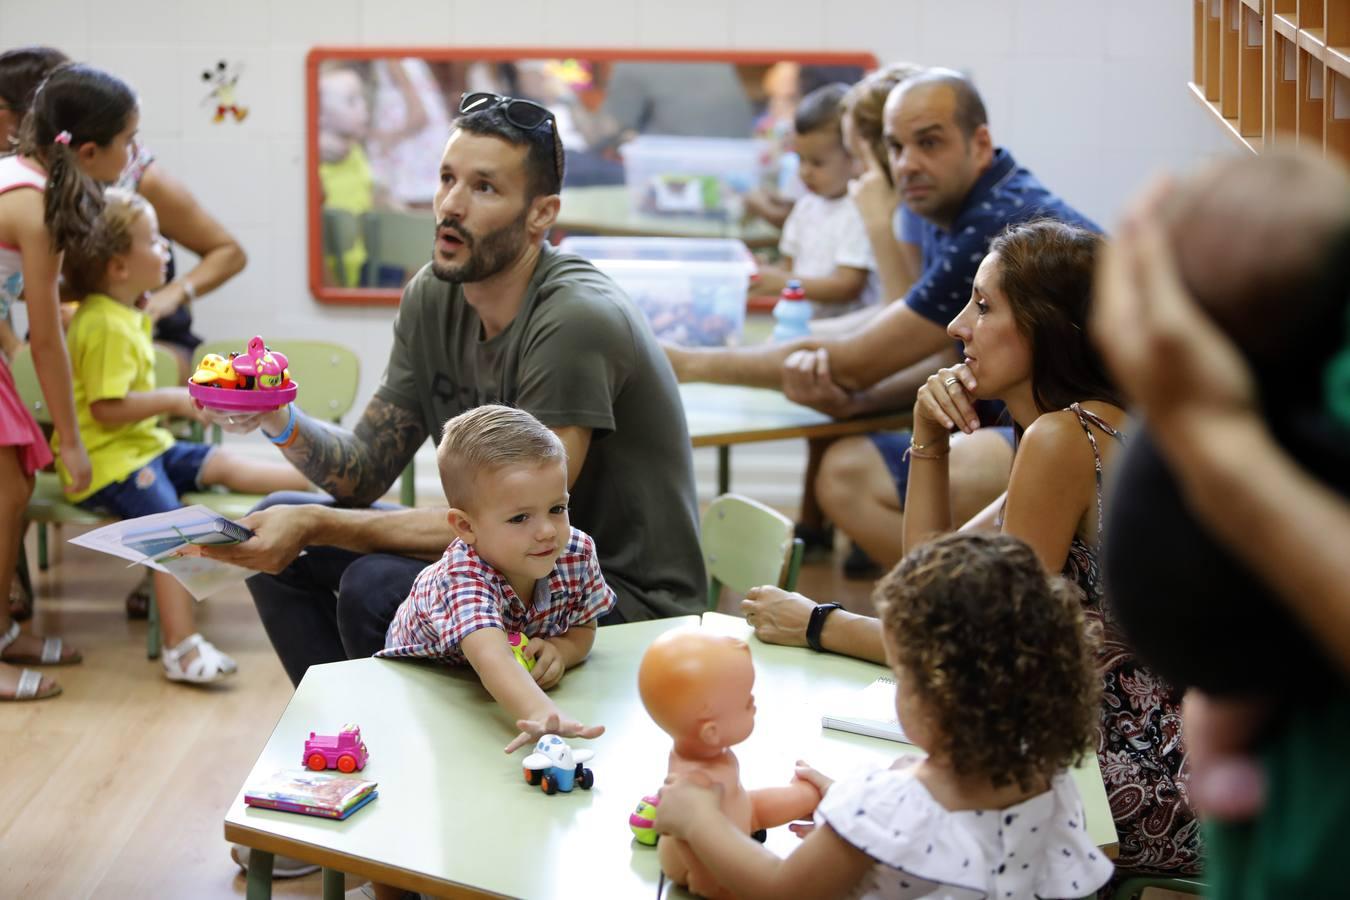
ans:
x=524 y=114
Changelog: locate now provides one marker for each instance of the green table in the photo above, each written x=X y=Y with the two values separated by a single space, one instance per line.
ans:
x=606 y=210
x=721 y=415
x=455 y=817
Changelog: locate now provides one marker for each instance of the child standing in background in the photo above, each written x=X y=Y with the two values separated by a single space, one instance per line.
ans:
x=78 y=132
x=138 y=468
x=824 y=243
x=996 y=681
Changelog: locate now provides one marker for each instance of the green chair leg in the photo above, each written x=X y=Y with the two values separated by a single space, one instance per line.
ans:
x=794 y=564
x=332 y=884
x=153 y=637
x=259 y=875
x=42 y=546
x=408 y=486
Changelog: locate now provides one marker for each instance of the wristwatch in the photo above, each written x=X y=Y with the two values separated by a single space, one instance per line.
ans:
x=816 y=624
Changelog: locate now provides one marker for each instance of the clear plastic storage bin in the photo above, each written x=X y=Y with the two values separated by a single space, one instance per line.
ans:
x=692 y=290
x=692 y=176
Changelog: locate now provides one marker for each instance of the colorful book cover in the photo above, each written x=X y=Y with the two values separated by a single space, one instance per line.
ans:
x=327 y=793
x=284 y=806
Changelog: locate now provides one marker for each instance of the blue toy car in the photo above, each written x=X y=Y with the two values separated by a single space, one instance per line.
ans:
x=557 y=767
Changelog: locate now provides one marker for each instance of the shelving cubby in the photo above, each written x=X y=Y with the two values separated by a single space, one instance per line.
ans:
x=1275 y=71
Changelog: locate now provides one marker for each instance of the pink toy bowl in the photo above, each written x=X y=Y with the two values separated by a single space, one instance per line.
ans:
x=241 y=400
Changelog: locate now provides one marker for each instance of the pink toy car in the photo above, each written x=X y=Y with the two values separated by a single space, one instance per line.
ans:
x=344 y=751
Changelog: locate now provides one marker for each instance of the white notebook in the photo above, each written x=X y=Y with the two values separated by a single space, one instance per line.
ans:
x=870 y=711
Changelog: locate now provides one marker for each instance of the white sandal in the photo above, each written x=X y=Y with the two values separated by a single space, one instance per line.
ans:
x=52 y=650
x=208 y=667
x=30 y=681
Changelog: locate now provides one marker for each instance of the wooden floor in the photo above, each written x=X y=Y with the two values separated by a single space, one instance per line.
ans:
x=119 y=787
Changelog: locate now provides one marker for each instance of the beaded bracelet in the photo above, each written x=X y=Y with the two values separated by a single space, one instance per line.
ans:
x=919 y=451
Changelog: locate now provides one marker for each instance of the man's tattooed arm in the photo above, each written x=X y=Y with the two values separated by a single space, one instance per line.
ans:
x=357 y=467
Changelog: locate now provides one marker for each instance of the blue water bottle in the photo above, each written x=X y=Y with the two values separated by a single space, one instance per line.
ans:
x=791 y=314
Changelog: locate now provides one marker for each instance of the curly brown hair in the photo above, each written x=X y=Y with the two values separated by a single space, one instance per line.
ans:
x=998 y=651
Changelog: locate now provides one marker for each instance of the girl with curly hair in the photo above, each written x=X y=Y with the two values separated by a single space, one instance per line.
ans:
x=996 y=682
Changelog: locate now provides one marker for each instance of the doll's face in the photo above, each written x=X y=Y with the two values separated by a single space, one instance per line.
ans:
x=732 y=710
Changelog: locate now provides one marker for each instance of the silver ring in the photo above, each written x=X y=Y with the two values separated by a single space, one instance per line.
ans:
x=951 y=381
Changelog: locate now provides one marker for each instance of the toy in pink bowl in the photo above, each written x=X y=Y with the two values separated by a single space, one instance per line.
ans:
x=344 y=751
x=257 y=380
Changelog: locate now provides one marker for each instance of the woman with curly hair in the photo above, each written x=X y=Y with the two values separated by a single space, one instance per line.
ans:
x=996 y=683
x=1025 y=345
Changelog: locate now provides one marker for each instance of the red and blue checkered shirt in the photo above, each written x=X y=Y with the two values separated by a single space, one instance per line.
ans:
x=461 y=593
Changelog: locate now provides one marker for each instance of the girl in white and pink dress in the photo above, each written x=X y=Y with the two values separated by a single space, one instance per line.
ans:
x=78 y=134
x=997 y=683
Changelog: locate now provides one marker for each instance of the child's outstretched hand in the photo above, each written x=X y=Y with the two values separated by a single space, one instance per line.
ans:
x=548 y=662
x=685 y=799
x=532 y=730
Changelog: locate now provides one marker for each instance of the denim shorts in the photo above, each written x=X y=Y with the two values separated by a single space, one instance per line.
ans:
x=154 y=488
x=893 y=444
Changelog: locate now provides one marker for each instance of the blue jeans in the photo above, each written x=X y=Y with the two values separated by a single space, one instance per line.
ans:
x=156 y=486
x=330 y=604
x=892 y=446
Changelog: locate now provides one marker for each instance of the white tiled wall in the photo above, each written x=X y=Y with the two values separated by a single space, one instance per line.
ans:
x=1089 y=93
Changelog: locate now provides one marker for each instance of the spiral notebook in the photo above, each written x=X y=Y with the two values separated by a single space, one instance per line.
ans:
x=870 y=711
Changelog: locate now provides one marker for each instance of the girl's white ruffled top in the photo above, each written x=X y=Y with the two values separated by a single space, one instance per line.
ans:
x=1038 y=848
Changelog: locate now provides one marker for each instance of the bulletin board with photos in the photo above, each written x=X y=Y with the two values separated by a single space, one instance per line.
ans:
x=681 y=135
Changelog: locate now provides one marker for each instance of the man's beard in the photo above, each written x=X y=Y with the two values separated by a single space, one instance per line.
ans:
x=488 y=254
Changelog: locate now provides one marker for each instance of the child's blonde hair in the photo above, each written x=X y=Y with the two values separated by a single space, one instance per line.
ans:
x=86 y=265
x=487 y=439
x=998 y=651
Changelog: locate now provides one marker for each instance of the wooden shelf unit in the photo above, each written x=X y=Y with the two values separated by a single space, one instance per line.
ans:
x=1275 y=71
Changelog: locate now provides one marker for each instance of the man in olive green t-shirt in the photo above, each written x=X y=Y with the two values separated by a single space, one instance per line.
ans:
x=497 y=317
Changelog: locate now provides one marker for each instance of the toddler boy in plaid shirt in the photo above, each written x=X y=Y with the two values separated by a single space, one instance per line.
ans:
x=517 y=566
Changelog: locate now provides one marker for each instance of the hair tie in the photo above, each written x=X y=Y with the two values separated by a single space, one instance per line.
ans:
x=63 y=138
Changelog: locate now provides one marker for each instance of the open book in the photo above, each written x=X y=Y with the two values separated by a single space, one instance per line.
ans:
x=153 y=540
x=871 y=711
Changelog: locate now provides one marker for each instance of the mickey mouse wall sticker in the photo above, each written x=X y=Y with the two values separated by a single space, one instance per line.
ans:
x=223 y=79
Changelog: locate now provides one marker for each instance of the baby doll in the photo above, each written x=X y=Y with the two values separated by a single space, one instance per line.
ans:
x=697 y=687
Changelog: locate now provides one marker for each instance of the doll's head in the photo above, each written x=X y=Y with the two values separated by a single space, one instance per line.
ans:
x=697 y=687
x=994 y=671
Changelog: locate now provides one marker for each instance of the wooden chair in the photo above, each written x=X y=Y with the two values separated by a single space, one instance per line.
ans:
x=746 y=544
